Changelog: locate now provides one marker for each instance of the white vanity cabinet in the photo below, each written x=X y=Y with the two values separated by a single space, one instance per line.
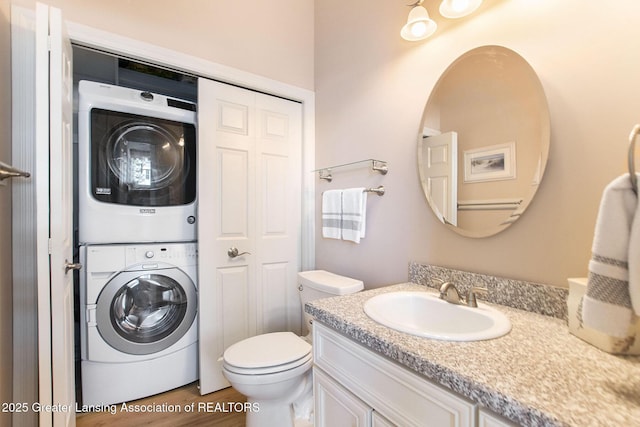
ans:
x=353 y=386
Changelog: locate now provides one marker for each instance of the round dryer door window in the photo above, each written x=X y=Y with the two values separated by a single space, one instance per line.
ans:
x=142 y=312
x=144 y=155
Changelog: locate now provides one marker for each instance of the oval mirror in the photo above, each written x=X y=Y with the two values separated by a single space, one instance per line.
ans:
x=484 y=142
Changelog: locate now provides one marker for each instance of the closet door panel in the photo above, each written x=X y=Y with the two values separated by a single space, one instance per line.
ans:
x=226 y=206
x=232 y=173
x=278 y=171
x=273 y=301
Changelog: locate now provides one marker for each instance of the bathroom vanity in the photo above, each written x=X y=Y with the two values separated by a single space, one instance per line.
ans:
x=537 y=374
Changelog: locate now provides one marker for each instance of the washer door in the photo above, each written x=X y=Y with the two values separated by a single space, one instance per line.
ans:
x=144 y=312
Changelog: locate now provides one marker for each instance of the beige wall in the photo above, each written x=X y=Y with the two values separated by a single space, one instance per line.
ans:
x=5 y=213
x=271 y=38
x=371 y=89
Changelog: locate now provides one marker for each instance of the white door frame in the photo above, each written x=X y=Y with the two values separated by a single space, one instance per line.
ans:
x=105 y=41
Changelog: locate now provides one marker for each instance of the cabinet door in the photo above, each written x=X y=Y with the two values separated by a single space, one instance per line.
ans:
x=335 y=406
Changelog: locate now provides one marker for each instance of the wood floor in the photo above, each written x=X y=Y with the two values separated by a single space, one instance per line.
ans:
x=224 y=408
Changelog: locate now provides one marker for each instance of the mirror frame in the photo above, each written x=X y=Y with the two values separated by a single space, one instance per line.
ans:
x=496 y=56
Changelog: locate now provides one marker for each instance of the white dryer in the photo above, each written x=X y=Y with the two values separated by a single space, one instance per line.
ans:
x=136 y=166
x=138 y=310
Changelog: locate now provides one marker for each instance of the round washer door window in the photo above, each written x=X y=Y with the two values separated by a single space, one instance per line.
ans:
x=146 y=312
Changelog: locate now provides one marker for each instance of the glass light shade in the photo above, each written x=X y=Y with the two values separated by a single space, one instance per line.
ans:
x=419 y=26
x=458 y=8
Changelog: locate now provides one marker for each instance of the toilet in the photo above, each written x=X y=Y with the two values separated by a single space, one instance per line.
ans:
x=274 y=370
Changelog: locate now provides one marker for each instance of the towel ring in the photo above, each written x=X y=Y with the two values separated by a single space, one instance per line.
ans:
x=632 y=149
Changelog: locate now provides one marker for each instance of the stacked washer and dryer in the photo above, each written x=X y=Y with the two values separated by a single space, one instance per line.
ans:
x=137 y=243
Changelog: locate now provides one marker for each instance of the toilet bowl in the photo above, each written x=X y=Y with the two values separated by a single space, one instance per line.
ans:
x=274 y=370
x=269 y=369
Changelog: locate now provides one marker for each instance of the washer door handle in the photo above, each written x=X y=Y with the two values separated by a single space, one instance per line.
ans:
x=71 y=266
x=233 y=252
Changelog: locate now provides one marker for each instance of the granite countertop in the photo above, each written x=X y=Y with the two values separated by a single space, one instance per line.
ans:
x=538 y=374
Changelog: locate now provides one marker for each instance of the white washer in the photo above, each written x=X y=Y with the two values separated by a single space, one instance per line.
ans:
x=136 y=166
x=138 y=310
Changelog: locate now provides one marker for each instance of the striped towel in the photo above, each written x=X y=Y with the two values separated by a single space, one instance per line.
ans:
x=332 y=214
x=354 y=214
x=607 y=304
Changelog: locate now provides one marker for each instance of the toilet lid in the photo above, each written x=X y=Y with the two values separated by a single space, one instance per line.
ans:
x=267 y=350
x=269 y=369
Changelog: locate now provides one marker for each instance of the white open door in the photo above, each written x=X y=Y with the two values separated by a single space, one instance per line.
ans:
x=249 y=200
x=440 y=167
x=54 y=115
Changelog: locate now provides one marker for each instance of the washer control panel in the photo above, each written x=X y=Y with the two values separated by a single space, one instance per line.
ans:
x=172 y=253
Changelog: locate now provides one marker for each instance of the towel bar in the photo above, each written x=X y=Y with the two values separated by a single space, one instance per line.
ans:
x=632 y=148
x=378 y=190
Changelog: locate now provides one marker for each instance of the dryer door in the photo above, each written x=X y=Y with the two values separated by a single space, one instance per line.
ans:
x=142 y=161
x=144 y=312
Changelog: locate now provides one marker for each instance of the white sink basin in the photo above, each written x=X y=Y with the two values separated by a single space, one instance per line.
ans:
x=425 y=315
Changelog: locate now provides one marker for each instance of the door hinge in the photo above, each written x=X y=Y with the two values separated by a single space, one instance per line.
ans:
x=50 y=246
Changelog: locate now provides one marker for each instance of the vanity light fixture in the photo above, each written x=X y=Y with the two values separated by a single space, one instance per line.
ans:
x=419 y=25
x=458 y=8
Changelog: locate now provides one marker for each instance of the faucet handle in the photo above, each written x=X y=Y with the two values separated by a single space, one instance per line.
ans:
x=471 y=296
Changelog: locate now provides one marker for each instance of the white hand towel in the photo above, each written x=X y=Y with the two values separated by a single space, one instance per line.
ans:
x=607 y=304
x=354 y=214
x=634 y=261
x=332 y=214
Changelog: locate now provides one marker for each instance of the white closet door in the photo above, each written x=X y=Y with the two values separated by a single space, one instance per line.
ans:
x=54 y=100
x=249 y=200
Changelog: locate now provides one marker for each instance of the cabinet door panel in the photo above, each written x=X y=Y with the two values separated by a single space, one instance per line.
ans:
x=380 y=421
x=335 y=406
x=489 y=419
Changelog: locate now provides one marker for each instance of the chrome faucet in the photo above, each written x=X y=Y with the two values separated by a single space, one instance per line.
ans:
x=449 y=293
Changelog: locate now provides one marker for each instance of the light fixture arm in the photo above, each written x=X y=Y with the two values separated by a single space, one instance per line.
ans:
x=417 y=3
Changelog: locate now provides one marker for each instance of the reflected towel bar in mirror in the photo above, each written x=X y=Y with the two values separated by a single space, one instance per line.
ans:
x=632 y=148
x=489 y=205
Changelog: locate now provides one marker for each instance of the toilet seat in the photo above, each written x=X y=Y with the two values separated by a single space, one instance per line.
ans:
x=267 y=354
x=268 y=369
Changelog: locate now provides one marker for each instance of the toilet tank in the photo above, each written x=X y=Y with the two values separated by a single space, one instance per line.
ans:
x=316 y=284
